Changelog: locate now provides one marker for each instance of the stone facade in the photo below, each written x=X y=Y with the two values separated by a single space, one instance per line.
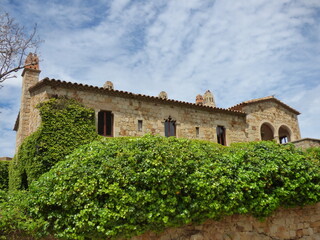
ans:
x=292 y=223
x=307 y=143
x=136 y=114
x=129 y=108
x=272 y=112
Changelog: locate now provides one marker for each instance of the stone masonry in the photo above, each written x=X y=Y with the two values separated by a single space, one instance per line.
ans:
x=307 y=142
x=30 y=76
x=268 y=110
x=293 y=223
x=129 y=108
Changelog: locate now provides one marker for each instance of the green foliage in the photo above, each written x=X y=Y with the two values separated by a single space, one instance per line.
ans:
x=270 y=175
x=122 y=187
x=65 y=125
x=313 y=154
x=15 y=220
x=4 y=174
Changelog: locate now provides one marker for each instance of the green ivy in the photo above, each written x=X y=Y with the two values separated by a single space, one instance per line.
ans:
x=122 y=187
x=65 y=125
x=15 y=219
x=4 y=175
x=313 y=154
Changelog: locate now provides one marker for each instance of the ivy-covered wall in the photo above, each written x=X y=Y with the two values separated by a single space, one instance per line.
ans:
x=82 y=186
x=65 y=125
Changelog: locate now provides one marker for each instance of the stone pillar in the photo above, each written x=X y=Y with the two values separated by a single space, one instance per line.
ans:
x=30 y=76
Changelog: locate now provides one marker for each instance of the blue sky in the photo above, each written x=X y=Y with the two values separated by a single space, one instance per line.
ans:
x=239 y=50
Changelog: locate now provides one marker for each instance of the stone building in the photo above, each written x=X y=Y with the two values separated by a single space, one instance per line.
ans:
x=120 y=113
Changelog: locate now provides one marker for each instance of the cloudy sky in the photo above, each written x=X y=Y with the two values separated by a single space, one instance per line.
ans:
x=239 y=50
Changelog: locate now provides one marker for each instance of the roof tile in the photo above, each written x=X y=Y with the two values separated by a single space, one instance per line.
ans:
x=85 y=87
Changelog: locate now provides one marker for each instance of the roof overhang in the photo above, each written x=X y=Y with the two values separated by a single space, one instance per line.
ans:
x=84 y=87
x=265 y=99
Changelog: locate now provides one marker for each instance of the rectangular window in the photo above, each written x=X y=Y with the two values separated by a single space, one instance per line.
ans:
x=197 y=132
x=140 y=125
x=170 y=127
x=105 y=123
x=221 y=135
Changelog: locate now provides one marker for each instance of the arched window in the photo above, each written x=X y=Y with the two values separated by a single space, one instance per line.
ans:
x=266 y=132
x=169 y=127
x=284 y=134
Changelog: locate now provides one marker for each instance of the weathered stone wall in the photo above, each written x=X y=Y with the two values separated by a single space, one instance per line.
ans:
x=35 y=119
x=29 y=78
x=307 y=143
x=128 y=110
x=294 y=223
x=275 y=115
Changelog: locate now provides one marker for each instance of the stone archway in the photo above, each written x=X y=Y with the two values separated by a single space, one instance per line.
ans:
x=266 y=132
x=284 y=134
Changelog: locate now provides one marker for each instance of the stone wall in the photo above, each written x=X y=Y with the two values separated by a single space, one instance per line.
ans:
x=293 y=223
x=192 y=121
x=307 y=143
x=274 y=115
x=37 y=97
x=128 y=110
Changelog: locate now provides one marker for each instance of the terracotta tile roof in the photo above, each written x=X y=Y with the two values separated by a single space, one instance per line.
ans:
x=264 y=99
x=84 y=87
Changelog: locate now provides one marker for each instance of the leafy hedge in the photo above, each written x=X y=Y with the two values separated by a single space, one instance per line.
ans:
x=4 y=175
x=65 y=125
x=15 y=219
x=122 y=187
x=313 y=154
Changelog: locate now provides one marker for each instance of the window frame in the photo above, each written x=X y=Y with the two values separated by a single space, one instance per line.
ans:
x=197 y=132
x=283 y=139
x=221 y=135
x=107 y=119
x=140 y=125
x=170 y=127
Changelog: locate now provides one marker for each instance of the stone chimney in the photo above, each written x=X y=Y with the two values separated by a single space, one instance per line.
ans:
x=108 y=85
x=163 y=95
x=208 y=99
x=30 y=76
x=32 y=62
x=199 y=99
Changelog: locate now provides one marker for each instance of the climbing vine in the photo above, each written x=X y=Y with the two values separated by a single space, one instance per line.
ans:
x=122 y=187
x=82 y=186
x=65 y=125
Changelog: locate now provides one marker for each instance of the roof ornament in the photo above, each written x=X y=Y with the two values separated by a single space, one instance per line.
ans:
x=32 y=61
x=199 y=99
x=108 y=85
x=163 y=95
x=208 y=99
